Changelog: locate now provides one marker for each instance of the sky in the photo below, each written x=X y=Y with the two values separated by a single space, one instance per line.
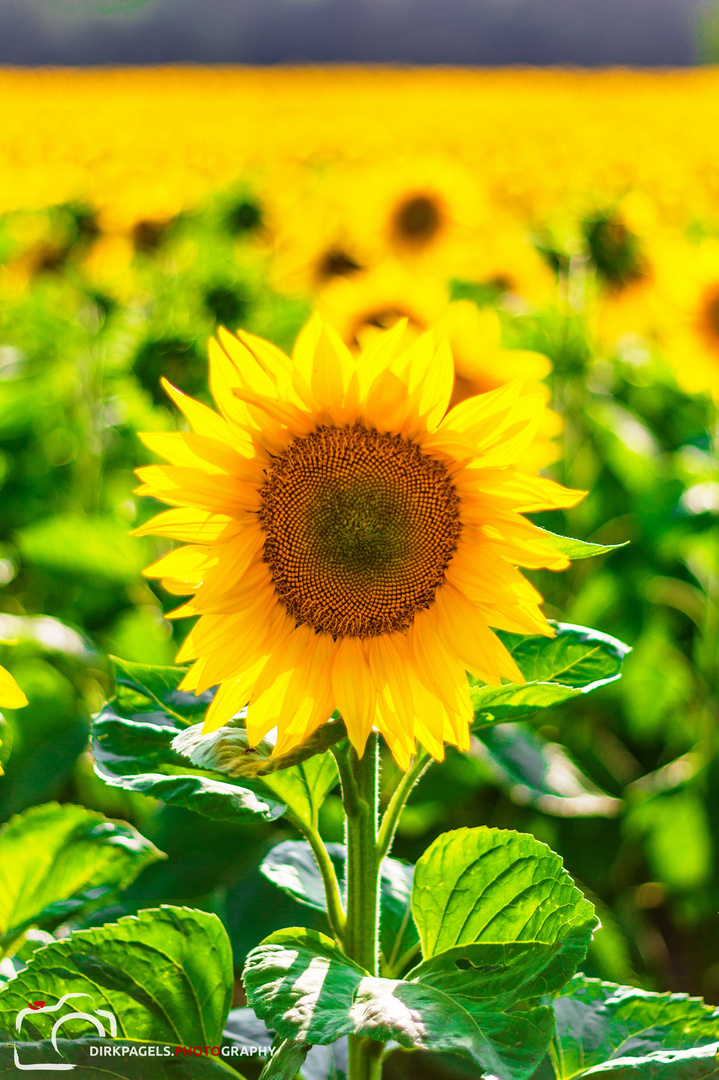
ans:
x=468 y=32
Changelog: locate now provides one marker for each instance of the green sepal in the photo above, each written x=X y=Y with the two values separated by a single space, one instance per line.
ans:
x=578 y=549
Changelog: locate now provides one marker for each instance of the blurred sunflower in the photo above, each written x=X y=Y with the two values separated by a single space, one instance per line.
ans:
x=364 y=305
x=416 y=209
x=350 y=542
x=687 y=288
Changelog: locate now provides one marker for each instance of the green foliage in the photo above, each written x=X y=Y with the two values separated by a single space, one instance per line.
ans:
x=59 y=861
x=291 y=867
x=501 y=923
x=304 y=987
x=166 y=974
x=575 y=661
x=622 y=1031
x=132 y=741
x=304 y=787
x=492 y=885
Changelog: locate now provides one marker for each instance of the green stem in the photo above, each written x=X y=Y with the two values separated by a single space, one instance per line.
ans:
x=396 y=804
x=359 y=777
x=335 y=912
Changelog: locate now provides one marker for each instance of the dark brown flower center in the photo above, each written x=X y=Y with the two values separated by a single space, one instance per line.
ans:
x=418 y=219
x=360 y=528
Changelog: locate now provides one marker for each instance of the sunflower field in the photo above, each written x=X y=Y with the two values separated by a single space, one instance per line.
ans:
x=422 y=369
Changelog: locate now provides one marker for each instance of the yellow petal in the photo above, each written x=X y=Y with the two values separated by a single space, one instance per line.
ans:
x=11 y=696
x=204 y=421
x=354 y=691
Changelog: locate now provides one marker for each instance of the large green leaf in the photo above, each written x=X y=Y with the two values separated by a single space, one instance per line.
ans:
x=58 y=860
x=495 y=885
x=166 y=975
x=603 y=1029
x=306 y=989
x=573 y=662
x=114 y=1059
x=538 y=773
x=291 y=866
x=132 y=744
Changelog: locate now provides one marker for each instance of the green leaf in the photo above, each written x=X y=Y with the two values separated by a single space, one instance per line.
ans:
x=114 y=1059
x=579 y=549
x=494 y=885
x=287 y=1060
x=132 y=745
x=538 y=773
x=305 y=988
x=603 y=1029
x=166 y=975
x=84 y=546
x=575 y=661
x=291 y=866
x=59 y=860
x=304 y=787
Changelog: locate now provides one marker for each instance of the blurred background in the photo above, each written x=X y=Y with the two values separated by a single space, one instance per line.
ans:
x=559 y=225
x=644 y=32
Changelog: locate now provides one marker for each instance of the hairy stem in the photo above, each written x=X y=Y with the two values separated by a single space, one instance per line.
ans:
x=359 y=778
x=335 y=911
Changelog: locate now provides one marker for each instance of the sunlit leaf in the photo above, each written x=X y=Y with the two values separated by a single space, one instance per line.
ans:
x=132 y=744
x=494 y=885
x=624 y=1032
x=165 y=974
x=60 y=860
x=306 y=989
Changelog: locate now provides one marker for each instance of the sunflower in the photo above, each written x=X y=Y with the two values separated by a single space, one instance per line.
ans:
x=350 y=543
x=687 y=291
x=363 y=305
x=422 y=210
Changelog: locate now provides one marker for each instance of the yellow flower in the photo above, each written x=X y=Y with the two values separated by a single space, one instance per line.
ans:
x=11 y=696
x=361 y=306
x=687 y=291
x=349 y=542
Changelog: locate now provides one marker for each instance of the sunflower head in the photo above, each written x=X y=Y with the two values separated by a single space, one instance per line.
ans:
x=350 y=544
x=417 y=218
